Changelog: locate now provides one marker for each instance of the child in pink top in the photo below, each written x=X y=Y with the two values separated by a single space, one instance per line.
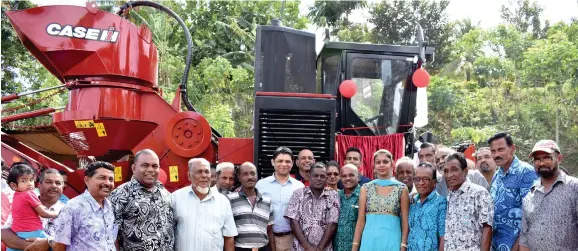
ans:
x=26 y=207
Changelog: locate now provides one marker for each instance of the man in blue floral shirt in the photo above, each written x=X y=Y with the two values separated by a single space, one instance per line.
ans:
x=427 y=212
x=510 y=185
x=86 y=223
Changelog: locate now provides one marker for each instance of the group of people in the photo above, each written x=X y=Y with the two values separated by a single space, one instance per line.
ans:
x=440 y=203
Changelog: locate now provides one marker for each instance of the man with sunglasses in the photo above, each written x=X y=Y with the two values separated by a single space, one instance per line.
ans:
x=550 y=210
x=427 y=212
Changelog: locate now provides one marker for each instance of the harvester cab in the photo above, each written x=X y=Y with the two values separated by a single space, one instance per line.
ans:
x=303 y=99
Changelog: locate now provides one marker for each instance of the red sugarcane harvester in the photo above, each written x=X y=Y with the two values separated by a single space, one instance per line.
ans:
x=109 y=68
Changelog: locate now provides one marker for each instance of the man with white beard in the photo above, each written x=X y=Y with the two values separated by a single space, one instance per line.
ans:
x=204 y=219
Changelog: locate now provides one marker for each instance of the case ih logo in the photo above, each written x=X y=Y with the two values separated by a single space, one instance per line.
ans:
x=109 y=35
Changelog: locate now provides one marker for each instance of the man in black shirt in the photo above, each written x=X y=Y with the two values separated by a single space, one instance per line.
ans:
x=353 y=156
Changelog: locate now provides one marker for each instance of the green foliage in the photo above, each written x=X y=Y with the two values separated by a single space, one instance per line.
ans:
x=12 y=81
x=227 y=91
x=355 y=33
x=525 y=16
x=334 y=14
x=466 y=50
x=509 y=43
x=520 y=84
x=474 y=135
x=396 y=23
x=551 y=60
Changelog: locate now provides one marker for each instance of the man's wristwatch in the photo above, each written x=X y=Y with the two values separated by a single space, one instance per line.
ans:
x=404 y=245
x=50 y=240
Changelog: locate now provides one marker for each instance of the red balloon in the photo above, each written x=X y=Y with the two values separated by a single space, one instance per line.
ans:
x=420 y=78
x=347 y=88
x=162 y=176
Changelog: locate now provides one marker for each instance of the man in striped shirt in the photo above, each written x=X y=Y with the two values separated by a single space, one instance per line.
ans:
x=252 y=212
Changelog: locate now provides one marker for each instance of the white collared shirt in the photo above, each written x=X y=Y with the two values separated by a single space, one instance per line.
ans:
x=201 y=225
x=280 y=195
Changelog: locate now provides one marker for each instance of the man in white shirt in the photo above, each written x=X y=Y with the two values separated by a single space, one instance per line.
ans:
x=279 y=187
x=203 y=218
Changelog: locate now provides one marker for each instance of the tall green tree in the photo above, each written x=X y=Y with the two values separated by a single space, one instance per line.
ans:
x=14 y=55
x=396 y=23
x=551 y=60
x=334 y=14
x=465 y=51
x=525 y=16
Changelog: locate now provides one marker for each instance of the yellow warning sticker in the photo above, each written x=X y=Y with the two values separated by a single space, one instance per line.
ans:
x=117 y=173
x=174 y=173
x=100 y=129
x=84 y=123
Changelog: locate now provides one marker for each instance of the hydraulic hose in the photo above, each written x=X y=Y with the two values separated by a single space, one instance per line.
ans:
x=188 y=59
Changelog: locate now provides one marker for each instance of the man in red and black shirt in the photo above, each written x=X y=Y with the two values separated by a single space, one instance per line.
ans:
x=305 y=160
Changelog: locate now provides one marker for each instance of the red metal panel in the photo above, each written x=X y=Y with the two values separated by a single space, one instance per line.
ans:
x=11 y=156
x=235 y=150
x=21 y=150
x=179 y=179
x=106 y=99
x=25 y=115
x=470 y=151
x=92 y=139
x=75 y=184
x=71 y=41
x=9 y=98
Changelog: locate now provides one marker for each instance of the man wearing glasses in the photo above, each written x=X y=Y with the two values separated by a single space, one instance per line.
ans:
x=427 y=212
x=510 y=184
x=550 y=210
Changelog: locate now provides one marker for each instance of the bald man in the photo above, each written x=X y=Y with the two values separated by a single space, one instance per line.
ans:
x=348 y=198
x=143 y=203
x=304 y=162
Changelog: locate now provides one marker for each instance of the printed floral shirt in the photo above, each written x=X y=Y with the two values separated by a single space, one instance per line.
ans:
x=469 y=207
x=313 y=214
x=508 y=189
x=145 y=218
x=427 y=222
x=347 y=220
x=83 y=225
